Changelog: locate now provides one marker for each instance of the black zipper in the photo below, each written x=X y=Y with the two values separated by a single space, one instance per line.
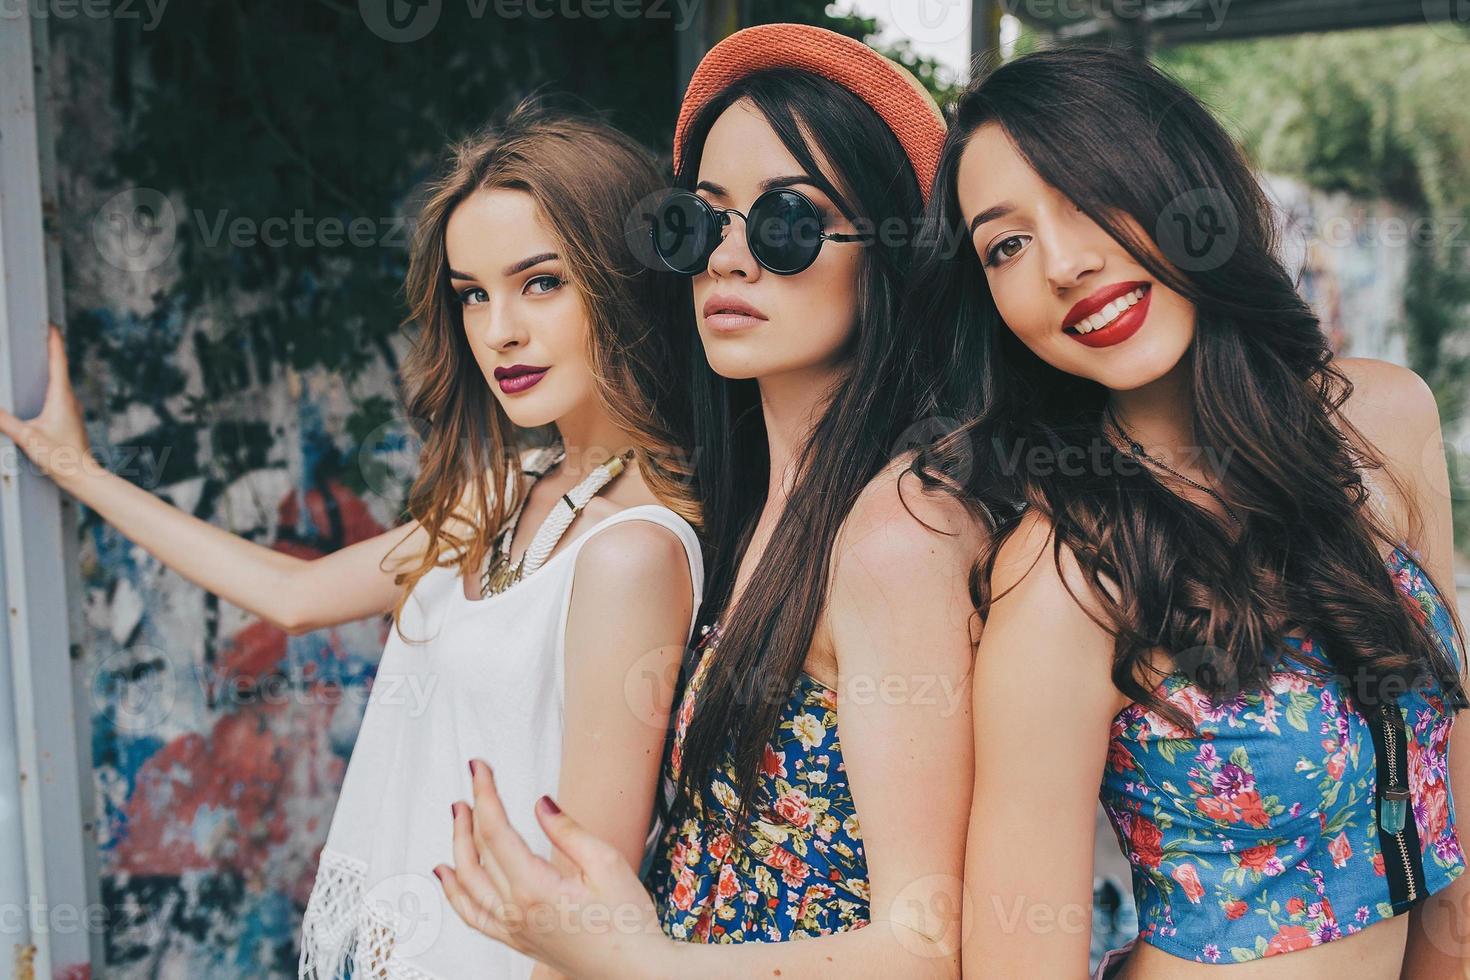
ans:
x=1398 y=835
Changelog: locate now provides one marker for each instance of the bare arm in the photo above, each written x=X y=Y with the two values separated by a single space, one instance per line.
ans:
x=632 y=603
x=901 y=623
x=1395 y=410
x=631 y=606
x=1044 y=702
x=293 y=593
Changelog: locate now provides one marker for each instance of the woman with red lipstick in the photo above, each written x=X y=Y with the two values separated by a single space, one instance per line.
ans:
x=1226 y=599
x=541 y=598
x=837 y=592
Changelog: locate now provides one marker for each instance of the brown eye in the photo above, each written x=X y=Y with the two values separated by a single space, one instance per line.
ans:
x=1005 y=248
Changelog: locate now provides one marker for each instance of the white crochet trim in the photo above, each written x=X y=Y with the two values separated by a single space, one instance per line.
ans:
x=338 y=928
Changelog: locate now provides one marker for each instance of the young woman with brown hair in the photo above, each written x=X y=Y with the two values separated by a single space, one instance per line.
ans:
x=522 y=618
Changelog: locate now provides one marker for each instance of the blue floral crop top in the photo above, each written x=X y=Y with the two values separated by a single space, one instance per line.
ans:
x=798 y=869
x=1263 y=833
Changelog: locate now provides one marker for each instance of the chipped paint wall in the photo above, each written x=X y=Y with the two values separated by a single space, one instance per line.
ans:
x=254 y=385
x=219 y=742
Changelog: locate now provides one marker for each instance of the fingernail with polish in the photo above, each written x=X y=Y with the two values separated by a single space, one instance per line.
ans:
x=550 y=805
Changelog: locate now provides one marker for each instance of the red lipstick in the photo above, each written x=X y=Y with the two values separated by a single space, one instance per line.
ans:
x=1109 y=316
x=518 y=377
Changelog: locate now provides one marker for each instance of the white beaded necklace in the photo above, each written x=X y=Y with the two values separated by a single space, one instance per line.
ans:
x=501 y=573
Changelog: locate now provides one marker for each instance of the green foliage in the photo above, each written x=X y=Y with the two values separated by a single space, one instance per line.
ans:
x=1377 y=114
x=289 y=116
x=1374 y=113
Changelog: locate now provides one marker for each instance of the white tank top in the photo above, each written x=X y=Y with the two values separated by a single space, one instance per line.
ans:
x=488 y=683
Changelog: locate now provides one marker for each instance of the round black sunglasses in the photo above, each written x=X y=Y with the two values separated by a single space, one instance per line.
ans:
x=783 y=230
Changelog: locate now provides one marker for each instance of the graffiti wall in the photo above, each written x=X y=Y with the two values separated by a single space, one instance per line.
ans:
x=219 y=742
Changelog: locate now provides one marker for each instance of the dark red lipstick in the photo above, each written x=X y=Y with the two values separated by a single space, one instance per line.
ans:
x=519 y=377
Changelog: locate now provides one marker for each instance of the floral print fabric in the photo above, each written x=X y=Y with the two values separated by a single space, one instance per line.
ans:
x=1259 y=834
x=798 y=869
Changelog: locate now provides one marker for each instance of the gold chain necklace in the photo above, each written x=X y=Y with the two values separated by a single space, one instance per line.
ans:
x=501 y=573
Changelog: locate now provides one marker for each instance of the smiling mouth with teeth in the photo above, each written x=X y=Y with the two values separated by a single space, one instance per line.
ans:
x=1109 y=313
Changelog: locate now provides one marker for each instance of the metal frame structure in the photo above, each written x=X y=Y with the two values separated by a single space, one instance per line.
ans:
x=50 y=919
x=1150 y=24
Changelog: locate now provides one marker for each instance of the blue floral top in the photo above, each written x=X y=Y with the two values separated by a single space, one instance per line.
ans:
x=1262 y=834
x=798 y=869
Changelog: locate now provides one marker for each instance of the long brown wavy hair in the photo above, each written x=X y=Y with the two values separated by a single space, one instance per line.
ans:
x=1266 y=391
x=590 y=182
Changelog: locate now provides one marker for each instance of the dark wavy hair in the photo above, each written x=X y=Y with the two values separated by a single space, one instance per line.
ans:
x=868 y=420
x=1266 y=392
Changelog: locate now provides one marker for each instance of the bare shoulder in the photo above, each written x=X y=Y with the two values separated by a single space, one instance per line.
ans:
x=1049 y=614
x=895 y=519
x=1033 y=571
x=1395 y=411
x=634 y=555
x=1390 y=404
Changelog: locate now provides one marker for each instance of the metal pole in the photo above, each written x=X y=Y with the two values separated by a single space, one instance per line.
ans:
x=46 y=921
x=984 y=37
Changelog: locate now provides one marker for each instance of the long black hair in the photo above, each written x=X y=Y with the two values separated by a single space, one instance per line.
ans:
x=1124 y=141
x=865 y=423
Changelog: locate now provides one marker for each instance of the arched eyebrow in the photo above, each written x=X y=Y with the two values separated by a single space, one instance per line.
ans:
x=786 y=180
x=514 y=267
x=990 y=214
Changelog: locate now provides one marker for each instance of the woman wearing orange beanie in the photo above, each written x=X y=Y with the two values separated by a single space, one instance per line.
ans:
x=837 y=566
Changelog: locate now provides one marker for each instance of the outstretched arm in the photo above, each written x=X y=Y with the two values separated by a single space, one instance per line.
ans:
x=293 y=593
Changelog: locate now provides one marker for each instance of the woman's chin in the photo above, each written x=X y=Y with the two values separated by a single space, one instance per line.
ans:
x=529 y=412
